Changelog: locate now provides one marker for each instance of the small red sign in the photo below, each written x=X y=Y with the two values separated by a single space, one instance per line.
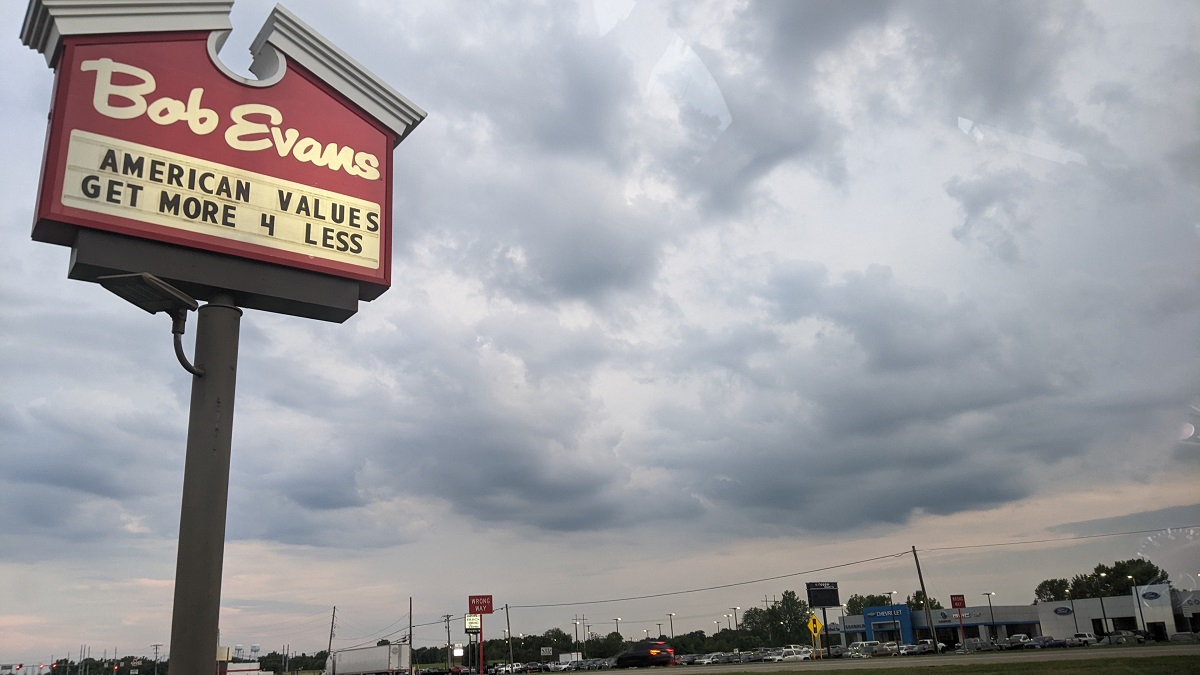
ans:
x=479 y=604
x=958 y=601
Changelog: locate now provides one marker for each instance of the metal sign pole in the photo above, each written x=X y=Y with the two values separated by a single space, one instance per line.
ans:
x=195 y=616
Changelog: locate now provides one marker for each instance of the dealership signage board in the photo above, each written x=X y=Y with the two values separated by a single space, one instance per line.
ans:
x=152 y=139
x=823 y=594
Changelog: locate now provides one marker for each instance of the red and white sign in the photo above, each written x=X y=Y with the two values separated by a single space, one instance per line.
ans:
x=479 y=604
x=958 y=601
x=149 y=138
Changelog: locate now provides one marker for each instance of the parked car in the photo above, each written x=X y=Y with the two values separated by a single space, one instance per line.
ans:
x=974 y=644
x=796 y=655
x=1121 y=637
x=1045 y=642
x=1184 y=637
x=703 y=660
x=862 y=650
x=773 y=656
x=927 y=647
x=1087 y=639
x=1014 y=641
x=644 y=654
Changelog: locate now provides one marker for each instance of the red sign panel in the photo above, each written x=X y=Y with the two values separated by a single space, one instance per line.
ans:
x=958 y=601
x=479 y=604
x=149 y=138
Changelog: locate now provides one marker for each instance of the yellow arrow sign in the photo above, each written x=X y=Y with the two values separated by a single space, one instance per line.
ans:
x=814 y=625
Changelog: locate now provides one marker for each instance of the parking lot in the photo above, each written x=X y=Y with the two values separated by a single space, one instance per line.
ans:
x=980 y=658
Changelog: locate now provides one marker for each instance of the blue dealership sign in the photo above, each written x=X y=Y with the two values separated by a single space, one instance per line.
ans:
x=1063 y=611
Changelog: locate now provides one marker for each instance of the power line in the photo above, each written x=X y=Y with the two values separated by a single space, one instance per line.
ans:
x=714 y=588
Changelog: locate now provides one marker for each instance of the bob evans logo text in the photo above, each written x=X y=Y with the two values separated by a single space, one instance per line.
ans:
x=249 y=127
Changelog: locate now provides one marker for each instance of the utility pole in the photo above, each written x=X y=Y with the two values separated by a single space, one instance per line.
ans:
x=446 y=617
x=156 y=645
x=331 y=620
x=928 y=614
x=508 y=634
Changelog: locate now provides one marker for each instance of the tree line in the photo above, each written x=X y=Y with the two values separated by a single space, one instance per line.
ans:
x=1103 y=581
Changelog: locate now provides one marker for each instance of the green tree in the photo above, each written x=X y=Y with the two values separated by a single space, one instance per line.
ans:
x=760 y=623
x=690 y=643
x=1107 y=580
x=856 y=603
x=916 y=602
x=793 y=619
x=1051 y=590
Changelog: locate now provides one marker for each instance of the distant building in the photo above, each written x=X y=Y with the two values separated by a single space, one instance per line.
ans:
x=1156 y=609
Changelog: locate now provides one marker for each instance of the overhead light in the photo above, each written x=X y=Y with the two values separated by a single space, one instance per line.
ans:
x=148 y=292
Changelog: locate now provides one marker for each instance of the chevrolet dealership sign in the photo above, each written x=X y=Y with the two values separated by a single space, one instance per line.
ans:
x=152 y=139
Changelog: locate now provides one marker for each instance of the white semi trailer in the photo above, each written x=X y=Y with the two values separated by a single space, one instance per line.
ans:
x=377 y=660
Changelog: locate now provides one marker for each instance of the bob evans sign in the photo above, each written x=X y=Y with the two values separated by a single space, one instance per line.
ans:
x=151 y=137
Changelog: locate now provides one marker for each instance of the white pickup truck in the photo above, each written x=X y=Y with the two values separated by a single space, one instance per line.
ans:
x=1082 y=639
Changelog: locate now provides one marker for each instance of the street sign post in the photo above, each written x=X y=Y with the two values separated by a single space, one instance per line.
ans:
x=959 y=602
x=478 y=605
x=271 y=193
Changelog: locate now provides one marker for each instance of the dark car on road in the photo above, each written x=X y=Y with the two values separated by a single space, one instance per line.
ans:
x=646 y=653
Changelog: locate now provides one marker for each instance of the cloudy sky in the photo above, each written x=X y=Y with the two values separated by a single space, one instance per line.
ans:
x=684 y=295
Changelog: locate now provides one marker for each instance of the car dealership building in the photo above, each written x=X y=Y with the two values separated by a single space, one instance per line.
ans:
x=1156 y=609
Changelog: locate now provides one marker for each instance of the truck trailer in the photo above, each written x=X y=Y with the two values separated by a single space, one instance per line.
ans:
x=377 y=660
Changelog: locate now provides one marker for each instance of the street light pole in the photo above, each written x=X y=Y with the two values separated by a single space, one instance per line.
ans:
x=892 y=603
x=735 y=618
x=1073 y=614
x=659 y=630
x=672 y=615
x=727 y=623
x=1137 y=597
x=617 y=622
x=1103 y=612
x=992 y=614
x=576 y=634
